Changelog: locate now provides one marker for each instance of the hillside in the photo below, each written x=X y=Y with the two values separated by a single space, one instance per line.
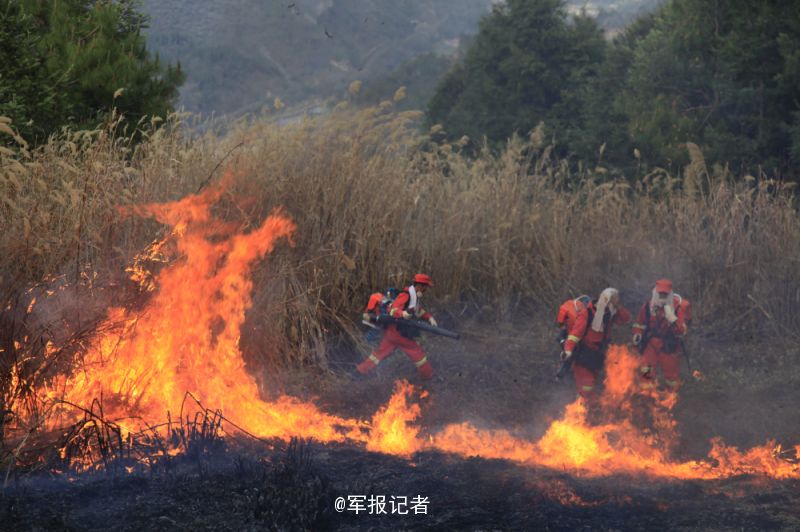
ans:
x=242 y=55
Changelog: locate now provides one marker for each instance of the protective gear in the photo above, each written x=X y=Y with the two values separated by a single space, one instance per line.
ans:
x=661 y=324
x=669 y=314
x=653 y=358
x=432 y=321
x=561 y=337
x=398 y=335
x=571 y=317
x=657 y=301
x=374 y=303
x=412 y=297
x=378 y=305
x=663 y=285
x=392 y=340
x=406 y=306
x=584 y=345
x=603 y=303
x=422 y=278
x=637 y=338
x=652 y=318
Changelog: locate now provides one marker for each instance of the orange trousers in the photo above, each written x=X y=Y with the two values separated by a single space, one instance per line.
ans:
x=585 y=381
x=392 y=339
x=654 y=358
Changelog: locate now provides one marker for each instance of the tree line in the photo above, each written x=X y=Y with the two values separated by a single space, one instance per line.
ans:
x=723 y=74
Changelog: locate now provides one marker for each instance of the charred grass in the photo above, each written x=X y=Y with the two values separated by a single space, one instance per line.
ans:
x=294 y=488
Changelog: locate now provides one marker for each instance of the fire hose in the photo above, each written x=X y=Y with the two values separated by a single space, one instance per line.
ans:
x=384 y=320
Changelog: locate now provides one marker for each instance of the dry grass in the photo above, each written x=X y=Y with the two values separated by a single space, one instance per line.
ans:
x=375 y=202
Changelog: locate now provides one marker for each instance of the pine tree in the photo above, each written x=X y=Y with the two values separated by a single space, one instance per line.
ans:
x=27 y=93
x=79 y=54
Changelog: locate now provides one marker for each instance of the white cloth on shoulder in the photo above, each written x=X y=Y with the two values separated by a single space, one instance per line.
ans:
x=603 y=303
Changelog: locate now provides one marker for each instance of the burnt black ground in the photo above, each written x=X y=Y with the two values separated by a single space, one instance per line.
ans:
x=493 y=378
x=471 y=494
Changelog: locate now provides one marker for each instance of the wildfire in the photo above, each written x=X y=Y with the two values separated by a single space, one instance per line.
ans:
x=186 y=339
x=619 y=447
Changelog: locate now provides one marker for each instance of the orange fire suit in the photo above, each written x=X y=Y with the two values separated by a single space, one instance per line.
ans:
x=587 y=345
x=660 y=346
x=374 y=300
x=401 y=338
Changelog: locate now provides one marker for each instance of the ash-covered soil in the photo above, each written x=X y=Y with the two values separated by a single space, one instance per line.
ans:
x=492 y=378
x=504 y=378
x=278 y=491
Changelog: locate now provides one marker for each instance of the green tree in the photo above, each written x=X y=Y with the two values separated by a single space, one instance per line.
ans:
x=723 y=74
x=529 y=63
x=80 y=53
x=605 y=105
x=26 y=90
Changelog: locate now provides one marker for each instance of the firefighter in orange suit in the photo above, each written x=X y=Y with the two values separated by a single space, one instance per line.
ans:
x=406 y=306
x=588 y=326
x=659 y=330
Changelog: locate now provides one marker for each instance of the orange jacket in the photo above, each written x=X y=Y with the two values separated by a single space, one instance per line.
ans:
x=658 y=325
x=568 y=312
x=374 y=300
x=400 y=304
x=577 y=321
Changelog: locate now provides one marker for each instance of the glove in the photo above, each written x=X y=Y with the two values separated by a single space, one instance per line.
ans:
x=637 y=338
x=669 y=314
x=565 y=355
x=432 y=321
x=406 y=315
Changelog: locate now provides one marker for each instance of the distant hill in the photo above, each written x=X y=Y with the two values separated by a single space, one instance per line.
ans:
x=242 y=54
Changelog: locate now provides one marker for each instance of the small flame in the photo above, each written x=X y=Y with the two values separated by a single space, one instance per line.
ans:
x=391 y=432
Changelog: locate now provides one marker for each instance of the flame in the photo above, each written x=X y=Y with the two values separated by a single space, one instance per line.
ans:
x=187 y=337
x=616 y=447
x=391 y=430
x=186 y=340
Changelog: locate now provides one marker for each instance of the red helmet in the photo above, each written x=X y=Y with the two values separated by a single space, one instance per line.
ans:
x=663 y=285
x=422 y=278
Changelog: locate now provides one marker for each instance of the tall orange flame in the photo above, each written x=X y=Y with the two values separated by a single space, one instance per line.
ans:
x=186 y=339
